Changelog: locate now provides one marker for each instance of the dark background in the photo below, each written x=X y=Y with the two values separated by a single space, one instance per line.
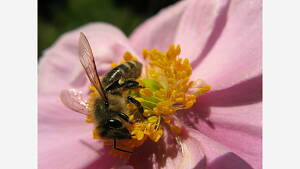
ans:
x=58 y=16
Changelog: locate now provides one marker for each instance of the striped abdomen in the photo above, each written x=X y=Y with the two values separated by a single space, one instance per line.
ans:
x=127 y=70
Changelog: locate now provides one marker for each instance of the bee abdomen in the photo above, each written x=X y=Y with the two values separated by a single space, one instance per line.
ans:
x=127 y=70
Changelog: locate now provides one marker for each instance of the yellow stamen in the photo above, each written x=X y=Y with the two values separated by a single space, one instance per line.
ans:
x=146 y=92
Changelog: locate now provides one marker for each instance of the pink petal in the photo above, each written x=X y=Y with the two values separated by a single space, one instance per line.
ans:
x=222 y=38
x=246 y=92
x=200 y=25
x=236 y=53
x=168 y=154
x=236 y=127
x=233 y=117
x=214 y=151
x=65 y=139
x=228 y=161
x=159 y=31
x=60 y=66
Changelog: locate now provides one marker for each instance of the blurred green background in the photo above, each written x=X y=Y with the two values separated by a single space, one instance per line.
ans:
x=58 y=16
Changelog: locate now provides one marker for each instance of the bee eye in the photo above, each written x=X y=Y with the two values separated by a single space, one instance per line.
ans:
x=113 y=123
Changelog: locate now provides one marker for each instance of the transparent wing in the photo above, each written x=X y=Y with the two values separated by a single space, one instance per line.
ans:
x=87 y=60
x=74 y=100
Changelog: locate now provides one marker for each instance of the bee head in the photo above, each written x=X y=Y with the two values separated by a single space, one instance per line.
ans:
x=114 y=129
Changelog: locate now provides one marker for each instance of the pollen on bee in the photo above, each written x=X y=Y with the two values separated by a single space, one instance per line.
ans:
x=114 y=64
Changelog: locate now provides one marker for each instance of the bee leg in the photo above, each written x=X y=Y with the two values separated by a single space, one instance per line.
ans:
x=115 y=147
x=124 y=117
x=137 y=104
x=131 y=84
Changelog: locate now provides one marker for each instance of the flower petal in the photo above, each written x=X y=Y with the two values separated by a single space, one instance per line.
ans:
x=236 y=54
x=168 y=153
x=65 y=140
x=200 y=26
x=207 y=146
x=238 y=128
x=228 y=161
x=233 y=117
x=159 y=31
x=244 y=93
x=60 y=67
x=214 y=150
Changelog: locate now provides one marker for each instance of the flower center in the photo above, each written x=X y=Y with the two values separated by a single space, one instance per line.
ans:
x=167 y=88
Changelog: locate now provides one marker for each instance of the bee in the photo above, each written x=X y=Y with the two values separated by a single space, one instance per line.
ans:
x=111 y=121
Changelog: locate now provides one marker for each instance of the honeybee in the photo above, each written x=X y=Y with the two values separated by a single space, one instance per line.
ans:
x=110 y=107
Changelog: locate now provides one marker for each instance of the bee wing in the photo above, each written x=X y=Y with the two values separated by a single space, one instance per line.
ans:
x=87 y=60
x=74 y=100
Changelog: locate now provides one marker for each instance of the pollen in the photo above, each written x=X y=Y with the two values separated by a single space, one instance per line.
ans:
x=167 y=88
x=92 y=97
x=128 y=57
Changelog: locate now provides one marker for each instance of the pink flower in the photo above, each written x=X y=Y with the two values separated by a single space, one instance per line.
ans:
x=221 y=38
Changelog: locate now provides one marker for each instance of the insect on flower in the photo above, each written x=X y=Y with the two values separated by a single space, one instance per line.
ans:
x=130 y=107
x=111 y=96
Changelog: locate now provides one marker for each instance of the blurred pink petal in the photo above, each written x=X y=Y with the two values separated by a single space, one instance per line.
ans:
x=60 y=64
x=65 y=140
x=159 y=31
